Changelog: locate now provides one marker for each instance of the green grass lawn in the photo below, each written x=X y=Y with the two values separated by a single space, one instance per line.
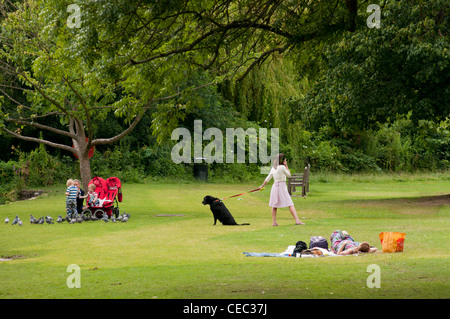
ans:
x=188 y=257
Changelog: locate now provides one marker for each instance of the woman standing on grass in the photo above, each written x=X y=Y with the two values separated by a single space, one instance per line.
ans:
x=279 y=196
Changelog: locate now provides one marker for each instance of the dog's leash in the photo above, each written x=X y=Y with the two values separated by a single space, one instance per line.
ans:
x=255 y=190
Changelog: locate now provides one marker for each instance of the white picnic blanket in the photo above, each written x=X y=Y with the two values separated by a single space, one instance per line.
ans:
x=288 y=253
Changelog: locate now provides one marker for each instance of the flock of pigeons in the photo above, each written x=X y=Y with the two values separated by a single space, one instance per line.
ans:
x=78 y=219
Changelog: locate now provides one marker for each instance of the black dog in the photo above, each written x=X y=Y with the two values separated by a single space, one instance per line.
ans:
x=220 y=211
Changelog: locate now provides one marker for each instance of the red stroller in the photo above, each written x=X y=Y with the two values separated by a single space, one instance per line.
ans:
x=109 y=192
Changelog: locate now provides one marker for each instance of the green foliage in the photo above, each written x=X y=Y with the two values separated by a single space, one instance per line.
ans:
x=368 y=100
x=32 y=170
x=260 y=97
x=381 y=96
x=10 y=181
x=432 y=144
x=374 y=74
x=39 y=168
x=388 y=148
x=398 y=146
x=137 y=165
x=325 y=156
x=7 y=172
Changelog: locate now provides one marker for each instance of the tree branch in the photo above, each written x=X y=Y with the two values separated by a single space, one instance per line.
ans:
x=220 y=28
x=42 y=127
x=261 y=59
x=86 y=110
x=40 y=116
x=13 y=100
x=14 y=87
x=38 y=140
x=106 y=141
x=181 y=50
x=43 y=94
x=179 y=93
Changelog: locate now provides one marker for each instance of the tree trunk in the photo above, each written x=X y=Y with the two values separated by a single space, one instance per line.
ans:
x=85 y=170
x=82 y=151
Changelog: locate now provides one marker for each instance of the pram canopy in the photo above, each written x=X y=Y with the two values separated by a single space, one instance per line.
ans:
x=108 y=192
x=107 y=189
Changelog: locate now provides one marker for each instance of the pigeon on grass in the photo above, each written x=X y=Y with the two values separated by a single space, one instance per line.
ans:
x=125 y=217
x=15 y=221
x=48 y=220
x=33 y=220
x=105 y=218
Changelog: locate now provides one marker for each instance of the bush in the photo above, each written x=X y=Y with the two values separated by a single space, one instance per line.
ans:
x=399 y=146
x=325 y=156
x=39 y=168
x=7 y=173
x=358 y=162
x=405 y=146
x=388 y=149
x=431 y=146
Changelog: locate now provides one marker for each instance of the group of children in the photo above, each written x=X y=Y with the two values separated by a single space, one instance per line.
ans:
x=75 y=198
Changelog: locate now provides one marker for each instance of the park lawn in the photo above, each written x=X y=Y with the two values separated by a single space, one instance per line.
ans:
x=187 y=257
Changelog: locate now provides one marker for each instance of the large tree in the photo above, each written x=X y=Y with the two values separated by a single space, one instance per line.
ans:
x=128 y=56
x=375 y=74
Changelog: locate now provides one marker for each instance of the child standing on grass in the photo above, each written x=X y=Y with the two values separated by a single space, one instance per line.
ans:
x=71 y=199
x=80 y=196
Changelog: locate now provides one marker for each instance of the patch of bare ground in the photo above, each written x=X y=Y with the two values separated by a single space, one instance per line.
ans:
x=413 y=205
x=8 y=258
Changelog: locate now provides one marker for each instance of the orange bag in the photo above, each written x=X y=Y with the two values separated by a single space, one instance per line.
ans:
x=392 y=242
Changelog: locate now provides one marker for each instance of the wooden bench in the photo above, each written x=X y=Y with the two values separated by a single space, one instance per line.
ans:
x=299 y=180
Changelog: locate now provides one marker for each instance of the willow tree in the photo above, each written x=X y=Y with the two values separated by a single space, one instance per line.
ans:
x=77 y=61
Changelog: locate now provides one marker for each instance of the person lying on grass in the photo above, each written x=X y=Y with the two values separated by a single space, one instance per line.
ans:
x=363 y=247
x=343 y=244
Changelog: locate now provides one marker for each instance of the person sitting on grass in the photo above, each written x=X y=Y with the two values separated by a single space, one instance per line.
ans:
x=343 y=244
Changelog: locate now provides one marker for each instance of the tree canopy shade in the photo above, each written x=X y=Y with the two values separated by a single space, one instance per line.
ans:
x=373 y=75
x=126 y=57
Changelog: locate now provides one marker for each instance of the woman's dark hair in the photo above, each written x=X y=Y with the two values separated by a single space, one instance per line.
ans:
x=278 y=160
x=364 y=247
